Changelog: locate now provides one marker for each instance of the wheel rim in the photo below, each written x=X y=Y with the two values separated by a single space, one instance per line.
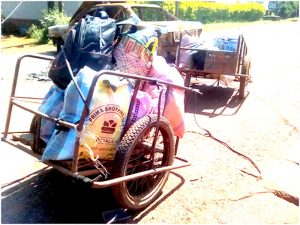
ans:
x=142 y=159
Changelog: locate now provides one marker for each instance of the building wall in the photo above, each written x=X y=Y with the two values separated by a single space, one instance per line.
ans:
x=27 y=10
x=32 y=10
x=28 y=13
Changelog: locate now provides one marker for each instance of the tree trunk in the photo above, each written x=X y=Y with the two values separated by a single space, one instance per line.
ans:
x=60 y=6
x=50 y=5
x=176 y=8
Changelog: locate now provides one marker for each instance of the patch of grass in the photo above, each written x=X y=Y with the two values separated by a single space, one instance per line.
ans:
x=11 y=41
x=22 y=45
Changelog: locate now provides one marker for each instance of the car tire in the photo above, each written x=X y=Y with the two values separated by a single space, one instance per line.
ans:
x=59 y=42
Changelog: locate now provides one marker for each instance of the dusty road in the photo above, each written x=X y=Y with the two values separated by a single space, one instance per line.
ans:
x=220 y=186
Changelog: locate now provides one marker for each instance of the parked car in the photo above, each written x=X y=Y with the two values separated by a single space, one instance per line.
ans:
x=144 y=14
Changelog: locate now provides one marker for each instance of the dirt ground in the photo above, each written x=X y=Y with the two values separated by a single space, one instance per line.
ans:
x=245 y=172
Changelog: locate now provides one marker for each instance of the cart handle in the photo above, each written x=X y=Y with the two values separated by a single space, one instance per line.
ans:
x=154 y=80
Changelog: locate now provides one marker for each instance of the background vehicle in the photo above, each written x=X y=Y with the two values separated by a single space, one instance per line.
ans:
x=143 y=14
x=212 y=63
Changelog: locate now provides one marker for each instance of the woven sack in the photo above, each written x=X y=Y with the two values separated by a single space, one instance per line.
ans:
x=135 y=50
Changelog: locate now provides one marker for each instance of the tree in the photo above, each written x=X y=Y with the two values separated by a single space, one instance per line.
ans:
x=60 y=6
x=51 y=5
x=287 y=9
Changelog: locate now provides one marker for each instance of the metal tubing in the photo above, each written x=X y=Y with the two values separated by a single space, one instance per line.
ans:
x=181 y=159
x=89 y=172
x=167 y=92
x=107 y=183
x=114 y=73
x=61 y=169
x=96 y=171
x=14 y=85
x=176 y=144
x=239 y=46
x=22 y=97
x=177 y=60
x=73 y=78
x=136 y=88
x=85 y=112
x=156 y=125
x=60 y=122
x=241 y=75
x=241 y=53
x=16 y=132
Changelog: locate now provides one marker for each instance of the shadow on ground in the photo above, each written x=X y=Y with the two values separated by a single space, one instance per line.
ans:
x=49 y=197
x=214 y=101
x=48 y=53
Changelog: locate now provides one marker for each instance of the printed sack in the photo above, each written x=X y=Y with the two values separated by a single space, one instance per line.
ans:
x=101 y=135
x=135 y=50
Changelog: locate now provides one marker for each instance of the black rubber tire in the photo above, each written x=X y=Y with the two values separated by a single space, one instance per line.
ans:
x=59 y=43
x=38 y=145
x=243 y=80
x=33 y=124
x=135 y=148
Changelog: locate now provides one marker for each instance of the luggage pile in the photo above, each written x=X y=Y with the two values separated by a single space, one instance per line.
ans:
x=94 y=44
x=191 y=59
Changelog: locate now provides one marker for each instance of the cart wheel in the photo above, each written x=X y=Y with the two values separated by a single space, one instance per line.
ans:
x=135 y=155
x=244 y=80
x=38 y=144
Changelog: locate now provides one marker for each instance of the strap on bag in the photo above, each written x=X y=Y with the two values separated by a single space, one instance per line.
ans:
x=73 y=79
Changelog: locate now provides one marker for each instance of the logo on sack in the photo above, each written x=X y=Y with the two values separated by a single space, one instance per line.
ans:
x=109 y=127
x=110 y=108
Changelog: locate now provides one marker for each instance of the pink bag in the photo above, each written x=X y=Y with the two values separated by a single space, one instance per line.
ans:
x=174 y=108
x=142 y=106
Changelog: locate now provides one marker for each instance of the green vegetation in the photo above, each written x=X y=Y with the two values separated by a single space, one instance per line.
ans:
x=284 y=9
x=205 y=12
x=212 y=12
x=54 y=17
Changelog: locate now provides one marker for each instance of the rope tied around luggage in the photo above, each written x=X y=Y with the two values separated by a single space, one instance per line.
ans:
x=97 y=164
x=89 y=153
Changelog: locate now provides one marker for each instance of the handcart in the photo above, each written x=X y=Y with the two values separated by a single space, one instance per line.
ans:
x=145 y=156
x=214 y=63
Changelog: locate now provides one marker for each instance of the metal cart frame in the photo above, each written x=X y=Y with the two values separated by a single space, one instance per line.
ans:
x=73 y=168
x=220 y=62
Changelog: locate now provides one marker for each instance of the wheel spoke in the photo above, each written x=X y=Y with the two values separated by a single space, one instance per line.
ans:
x=141 y=150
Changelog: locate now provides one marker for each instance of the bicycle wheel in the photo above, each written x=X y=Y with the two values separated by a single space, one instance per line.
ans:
x=135 y=154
